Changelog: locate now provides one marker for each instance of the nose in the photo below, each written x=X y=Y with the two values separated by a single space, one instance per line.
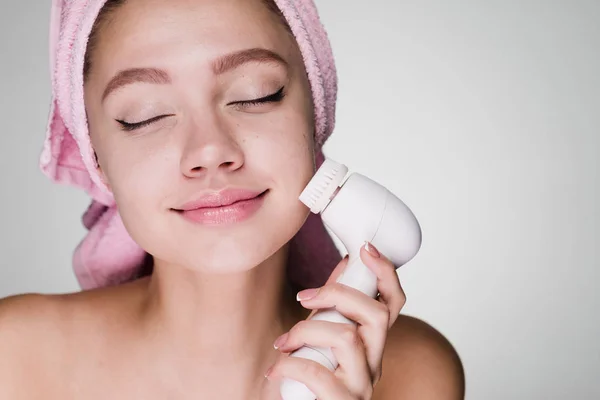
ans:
x=210 y=151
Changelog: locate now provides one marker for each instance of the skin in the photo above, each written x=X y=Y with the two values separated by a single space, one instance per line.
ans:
x=203 y=325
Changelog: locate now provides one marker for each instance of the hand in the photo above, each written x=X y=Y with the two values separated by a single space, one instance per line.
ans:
x=358 y=349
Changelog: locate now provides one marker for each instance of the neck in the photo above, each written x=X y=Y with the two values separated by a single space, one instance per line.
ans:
x=224 y=325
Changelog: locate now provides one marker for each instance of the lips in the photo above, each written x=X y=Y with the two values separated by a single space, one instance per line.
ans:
x=220 y=199
x=223 y=208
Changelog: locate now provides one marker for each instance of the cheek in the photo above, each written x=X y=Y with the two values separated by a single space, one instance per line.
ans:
x=141 y=181
x=285 y=140
x=284 y=153
x=138 y=175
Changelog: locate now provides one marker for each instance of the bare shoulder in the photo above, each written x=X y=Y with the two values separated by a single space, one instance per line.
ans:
x=29 y=332
x=419 y=363
x=42 y=337
x=29 y=316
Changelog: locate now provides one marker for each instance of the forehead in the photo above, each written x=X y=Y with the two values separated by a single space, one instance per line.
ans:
x=142 y=29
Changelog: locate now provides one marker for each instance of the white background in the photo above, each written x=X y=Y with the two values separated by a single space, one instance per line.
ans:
x=482 y=116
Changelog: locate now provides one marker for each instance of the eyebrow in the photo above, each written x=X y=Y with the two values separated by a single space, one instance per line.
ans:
x=128 y=76
x=234 y=60
x=219 y=66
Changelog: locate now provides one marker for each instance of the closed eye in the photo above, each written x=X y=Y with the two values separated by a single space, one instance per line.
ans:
x=131 y=126
x=272 y=98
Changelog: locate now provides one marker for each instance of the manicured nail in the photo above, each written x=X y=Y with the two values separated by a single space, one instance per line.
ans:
x=307 y=294
x=372 y=250
x=280 y=341
x=268 y=372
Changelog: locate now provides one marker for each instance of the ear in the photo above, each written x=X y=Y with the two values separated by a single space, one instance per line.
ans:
x=101 y=172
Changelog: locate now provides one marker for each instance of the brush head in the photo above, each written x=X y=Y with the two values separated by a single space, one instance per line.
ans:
x=317 y=194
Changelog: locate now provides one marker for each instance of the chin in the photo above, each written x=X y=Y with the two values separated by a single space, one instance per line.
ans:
x=226 y=248
x=229 y=249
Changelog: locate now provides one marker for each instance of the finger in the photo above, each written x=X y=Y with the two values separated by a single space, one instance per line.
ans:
x=348 y=301
x=322 y=382
x=388 y=283
x=345 y=343
x=334 y=276
x=371 y=315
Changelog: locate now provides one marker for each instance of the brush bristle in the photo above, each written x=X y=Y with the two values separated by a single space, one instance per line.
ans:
x=322 y=186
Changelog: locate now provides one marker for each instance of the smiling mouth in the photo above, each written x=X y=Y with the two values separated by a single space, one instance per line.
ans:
x=224 y=214
x=224 y=204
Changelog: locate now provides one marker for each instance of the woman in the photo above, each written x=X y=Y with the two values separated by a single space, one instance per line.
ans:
x=205 y=120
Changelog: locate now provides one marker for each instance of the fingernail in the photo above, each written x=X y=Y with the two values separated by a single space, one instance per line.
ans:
x=307 y=294
x=280 y=341
x=268 y=373
x=371 y=249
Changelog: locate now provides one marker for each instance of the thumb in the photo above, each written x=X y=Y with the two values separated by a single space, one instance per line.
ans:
x=338 y=270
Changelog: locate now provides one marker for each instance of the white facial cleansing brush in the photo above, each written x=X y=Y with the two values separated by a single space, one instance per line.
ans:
x=359 y=210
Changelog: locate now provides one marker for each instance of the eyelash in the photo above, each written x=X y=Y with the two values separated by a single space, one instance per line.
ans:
x=128 y=126
x=272 y=98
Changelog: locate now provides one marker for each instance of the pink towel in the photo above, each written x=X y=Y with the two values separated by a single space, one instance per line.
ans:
x=108 y=255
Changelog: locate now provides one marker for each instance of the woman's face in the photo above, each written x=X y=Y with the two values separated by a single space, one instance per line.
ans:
x=194 y=69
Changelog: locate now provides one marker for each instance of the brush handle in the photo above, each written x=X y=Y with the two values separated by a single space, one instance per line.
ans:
x=356 y=275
